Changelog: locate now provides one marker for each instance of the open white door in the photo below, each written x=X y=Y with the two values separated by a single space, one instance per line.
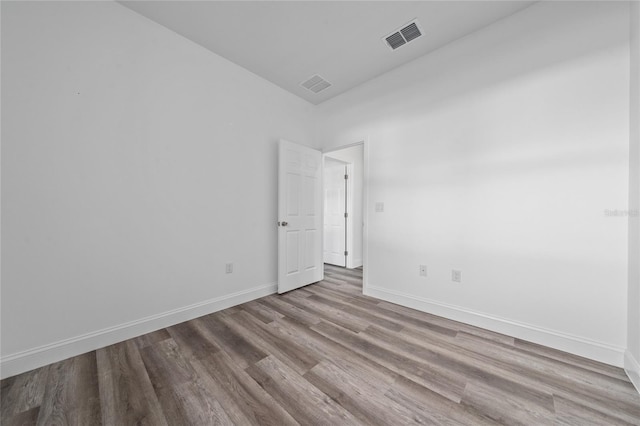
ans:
x=299 y=216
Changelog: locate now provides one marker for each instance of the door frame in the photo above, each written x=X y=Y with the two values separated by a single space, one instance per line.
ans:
x=364 y=141
x=349 y=208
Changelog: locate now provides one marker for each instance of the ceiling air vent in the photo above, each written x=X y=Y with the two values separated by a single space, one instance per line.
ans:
x=403 y=35
x=395 y=40
x=316 y=84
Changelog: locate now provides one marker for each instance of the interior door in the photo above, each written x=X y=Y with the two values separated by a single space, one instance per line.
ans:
x=299 y=216
x=335 y=244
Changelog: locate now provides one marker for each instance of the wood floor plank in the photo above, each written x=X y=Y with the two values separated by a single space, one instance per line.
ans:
x=466 y=369
x=241 y=349
x=507 y=407
x=432 y=378
x=404 y=318
x=365 y=315
x=126 y=393
x=532 y=376
x=25 y=392
x=570 y=413
x=584 y=374
x=304 y=291
x=570 y=359
x=288 y=352
x=72 y=395
x=152 y=338
x=242 y=398
x=5 y=385
x=344 y=273
x=260 y=311
x=285 y=308
x=573 y=376
x=324 y=354
x=350 y=298
x=422 y=319
x=313 y=407
x=433 y=406
x=183 y=397
x=336 y=316
x=361 y=396
x=24 y=418
x=330 y=350
x=194 y=338
x=344 y=284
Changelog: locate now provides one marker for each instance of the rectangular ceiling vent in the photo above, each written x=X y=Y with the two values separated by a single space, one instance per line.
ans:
x=316 y=84
x=403 y=35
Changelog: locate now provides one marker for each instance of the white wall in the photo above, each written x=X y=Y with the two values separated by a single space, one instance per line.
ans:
x=134 y=165
x=498 y=155
x=632 y=360
x=354 y=155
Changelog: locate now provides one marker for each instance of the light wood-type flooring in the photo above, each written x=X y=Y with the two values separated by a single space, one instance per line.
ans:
x=322 y=355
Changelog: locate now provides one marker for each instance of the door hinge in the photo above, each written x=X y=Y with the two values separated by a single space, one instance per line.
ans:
x=346 y=177
x=346 y=215
x=346 y=253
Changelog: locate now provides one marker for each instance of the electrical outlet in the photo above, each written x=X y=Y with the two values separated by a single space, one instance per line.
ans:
x=228 y=268
x=456 y=275
x=379 y=207
x=423 y=270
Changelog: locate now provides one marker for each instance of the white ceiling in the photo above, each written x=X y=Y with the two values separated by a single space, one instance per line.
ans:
x=286 y=42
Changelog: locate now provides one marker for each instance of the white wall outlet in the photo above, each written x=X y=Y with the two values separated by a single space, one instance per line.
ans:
x=228 y=268
x=379 y=207
x=456 y=276
x=423 y=270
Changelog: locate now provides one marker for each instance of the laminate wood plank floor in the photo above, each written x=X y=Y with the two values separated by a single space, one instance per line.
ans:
x=322 y=355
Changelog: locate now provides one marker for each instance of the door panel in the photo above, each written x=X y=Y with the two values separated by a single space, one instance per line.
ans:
x=311 y=250
x=310 y=183
x=293 y=262
x=293 y=194
x=299 y=216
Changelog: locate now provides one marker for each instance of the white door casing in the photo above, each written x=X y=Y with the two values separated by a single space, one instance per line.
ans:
x=299 y=216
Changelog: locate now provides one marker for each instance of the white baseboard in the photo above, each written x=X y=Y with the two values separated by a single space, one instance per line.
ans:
x=20 y=362
x=577 y=345
x=632 y=368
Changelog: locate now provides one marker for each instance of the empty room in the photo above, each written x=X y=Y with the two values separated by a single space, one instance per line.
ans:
x=320 y=212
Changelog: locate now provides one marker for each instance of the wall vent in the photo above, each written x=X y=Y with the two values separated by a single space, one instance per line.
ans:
x=316 y=84
x=403 y=35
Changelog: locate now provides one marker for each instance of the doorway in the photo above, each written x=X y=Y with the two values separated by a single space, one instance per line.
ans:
x=343 y=171
x=336 y=212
